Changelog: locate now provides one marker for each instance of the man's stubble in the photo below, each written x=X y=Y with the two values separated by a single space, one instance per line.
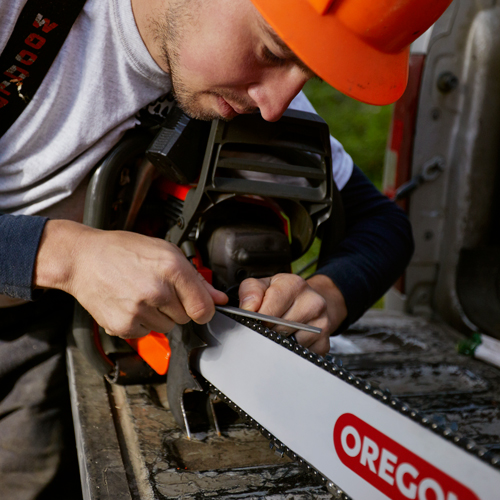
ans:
x=171 y=30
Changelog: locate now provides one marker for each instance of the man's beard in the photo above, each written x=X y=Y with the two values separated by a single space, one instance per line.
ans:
x=170 y=33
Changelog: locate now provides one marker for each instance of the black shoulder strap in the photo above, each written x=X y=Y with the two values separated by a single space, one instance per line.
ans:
x=38 y=36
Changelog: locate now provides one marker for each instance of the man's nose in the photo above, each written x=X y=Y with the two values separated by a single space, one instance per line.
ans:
x=276 y=90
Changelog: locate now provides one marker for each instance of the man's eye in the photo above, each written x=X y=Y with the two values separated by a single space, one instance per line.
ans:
x=272 y=58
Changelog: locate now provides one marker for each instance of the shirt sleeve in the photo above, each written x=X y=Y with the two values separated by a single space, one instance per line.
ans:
x=19 y=240
x=377 y=247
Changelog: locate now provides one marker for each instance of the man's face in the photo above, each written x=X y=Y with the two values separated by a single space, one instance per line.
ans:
x=224 y=60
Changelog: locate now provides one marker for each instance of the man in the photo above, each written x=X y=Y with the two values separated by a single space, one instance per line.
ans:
x=220 y=58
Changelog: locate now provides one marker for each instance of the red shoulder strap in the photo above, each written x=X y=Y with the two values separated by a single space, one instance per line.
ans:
x=38 y=35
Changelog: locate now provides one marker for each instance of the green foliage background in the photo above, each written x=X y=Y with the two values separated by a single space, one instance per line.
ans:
x=361 y=128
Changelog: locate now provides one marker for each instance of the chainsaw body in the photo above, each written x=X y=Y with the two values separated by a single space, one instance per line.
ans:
x=241 y=199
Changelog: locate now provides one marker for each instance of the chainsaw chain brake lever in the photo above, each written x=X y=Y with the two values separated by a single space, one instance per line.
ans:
x=264 y=317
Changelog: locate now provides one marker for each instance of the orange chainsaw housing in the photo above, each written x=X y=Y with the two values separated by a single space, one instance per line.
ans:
x=154 y=349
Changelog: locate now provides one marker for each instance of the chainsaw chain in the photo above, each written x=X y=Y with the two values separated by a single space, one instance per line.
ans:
x=384 y=396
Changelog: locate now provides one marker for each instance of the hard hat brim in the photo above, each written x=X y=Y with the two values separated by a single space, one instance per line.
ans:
x=336 y=54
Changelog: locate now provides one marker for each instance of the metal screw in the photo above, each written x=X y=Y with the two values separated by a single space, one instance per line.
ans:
x=447 y=82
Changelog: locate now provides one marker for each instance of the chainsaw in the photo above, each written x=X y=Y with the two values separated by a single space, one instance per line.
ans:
x=245 y=199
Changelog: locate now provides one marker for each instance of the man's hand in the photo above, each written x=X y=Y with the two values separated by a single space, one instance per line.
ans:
x=129 y=283
x=316 y=302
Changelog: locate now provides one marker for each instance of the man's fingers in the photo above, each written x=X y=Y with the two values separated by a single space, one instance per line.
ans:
x=160 y=322
x=320 y=345
x=193 y=299
x=289 y=297
x=283 y=293
x=171 y=309
x=300 y=304
x=317 y=320
x=133 y=331
x=126 y=280
x=194 y=295
x=252 y=292
x=317 y=343
x=219 y=298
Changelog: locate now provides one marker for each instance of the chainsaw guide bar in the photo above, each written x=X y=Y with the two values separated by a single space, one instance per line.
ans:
x=466 y=449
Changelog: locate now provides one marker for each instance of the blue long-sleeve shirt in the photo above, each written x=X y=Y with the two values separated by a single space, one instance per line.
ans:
x=377 y=247
x=19 y=239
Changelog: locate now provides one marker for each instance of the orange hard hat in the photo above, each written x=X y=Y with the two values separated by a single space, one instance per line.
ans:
x=360 y=47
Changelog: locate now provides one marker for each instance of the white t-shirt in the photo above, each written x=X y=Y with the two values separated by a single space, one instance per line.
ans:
x=101 y=77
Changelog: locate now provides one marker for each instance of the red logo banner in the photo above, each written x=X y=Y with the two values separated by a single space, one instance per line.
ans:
x=391 y=468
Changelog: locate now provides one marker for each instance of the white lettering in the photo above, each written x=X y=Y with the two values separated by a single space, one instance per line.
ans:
x=347 y=431
x=369 y=453
x=405 y=475
x=387 y=462
x=409 y=491
x=429 y=484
